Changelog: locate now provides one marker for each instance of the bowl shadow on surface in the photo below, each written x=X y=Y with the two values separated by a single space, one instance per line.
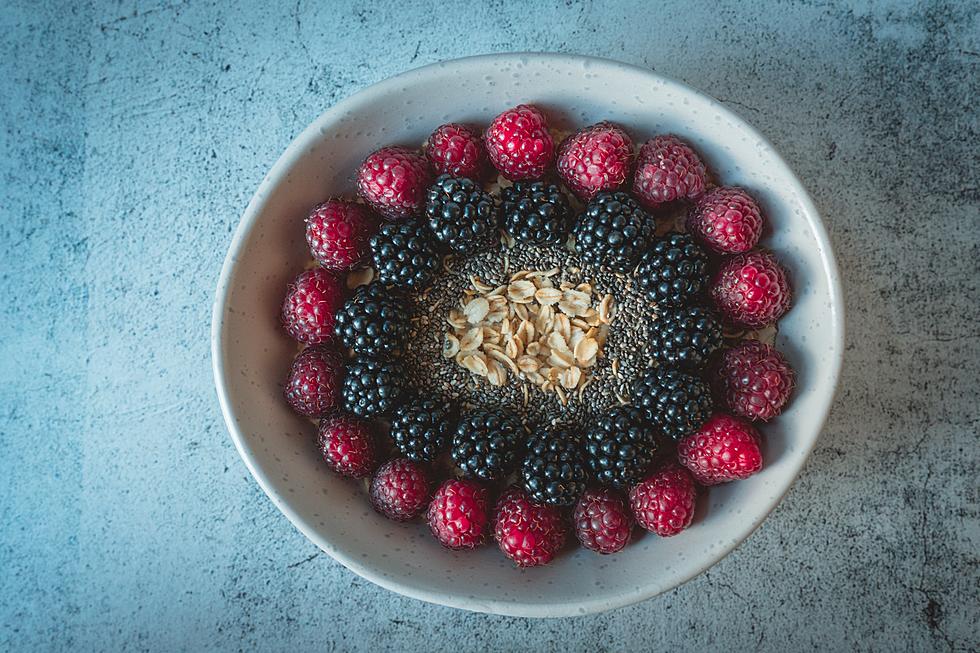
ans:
x=859 y=365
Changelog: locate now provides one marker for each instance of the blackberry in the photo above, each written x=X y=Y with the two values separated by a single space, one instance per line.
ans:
x=673 y=271
x=621 y=446
x=685 y=337
x=421 y=429
x=374 y=322
x=674 y=401
x=554 y=470
x=614 y=230
x=460 y=215
x=536 y=212
x=487 y=444
x=372 y=386
x=404 y=255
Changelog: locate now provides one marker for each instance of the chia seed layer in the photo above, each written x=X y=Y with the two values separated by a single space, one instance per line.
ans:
x=624 y=357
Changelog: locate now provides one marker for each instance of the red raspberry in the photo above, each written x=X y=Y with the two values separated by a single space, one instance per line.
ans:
x=528 y=533
x=602 y=522
x=664 y=501
x=313 y=385
x=753 y=380
x=667 y=170
x=456 y=150
x=338 y=232
x=751 y=290
x=726 y=220
x=519 y=144
x=393 y=180
x=347 y=445
x=400 y=489
x=595 y=159
x=311 y=301
x=725 y=448
x=458 y=514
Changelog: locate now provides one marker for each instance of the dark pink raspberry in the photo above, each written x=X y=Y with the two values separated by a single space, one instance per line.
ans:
x=456 y=150
x=726 y=220
x=393 y=180
x=337 y=232
x=725 y=448
x=667 y=169
x=347 y=445
x=663 y=502
x=753 y=380
x=528 y=533
x=751 y=290
x=312 y=300
x=400 y=489
x=519 y=144
x=459 y=515
x=595 y=159
x=603 y=523
x=313 y=385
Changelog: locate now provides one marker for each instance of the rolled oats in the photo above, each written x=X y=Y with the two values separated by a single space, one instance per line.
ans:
x=532 y=330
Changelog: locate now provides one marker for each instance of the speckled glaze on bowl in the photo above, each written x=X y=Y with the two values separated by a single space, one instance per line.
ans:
x=251 y=354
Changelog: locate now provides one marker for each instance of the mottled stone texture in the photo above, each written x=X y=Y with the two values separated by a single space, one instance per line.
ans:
x=133 y=135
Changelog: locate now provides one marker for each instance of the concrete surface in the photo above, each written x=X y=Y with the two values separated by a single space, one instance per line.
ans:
x=134 y=134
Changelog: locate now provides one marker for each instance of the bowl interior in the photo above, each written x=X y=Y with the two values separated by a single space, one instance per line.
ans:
x=251 y=354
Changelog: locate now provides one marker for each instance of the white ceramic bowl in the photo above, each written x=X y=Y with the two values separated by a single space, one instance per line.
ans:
x=251 y=355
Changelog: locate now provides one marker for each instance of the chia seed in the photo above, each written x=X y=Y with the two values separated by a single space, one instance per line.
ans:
x=627 y=343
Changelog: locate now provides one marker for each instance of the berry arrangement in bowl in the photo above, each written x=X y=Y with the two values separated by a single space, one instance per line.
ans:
x=527 y=338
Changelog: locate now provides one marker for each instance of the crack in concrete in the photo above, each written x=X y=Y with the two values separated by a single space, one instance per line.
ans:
x=303 y=561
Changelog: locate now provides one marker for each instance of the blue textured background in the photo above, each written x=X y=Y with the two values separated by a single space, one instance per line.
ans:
x=133 y=135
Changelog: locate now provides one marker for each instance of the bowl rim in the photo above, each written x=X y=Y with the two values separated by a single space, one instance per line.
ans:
x=580 y=605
